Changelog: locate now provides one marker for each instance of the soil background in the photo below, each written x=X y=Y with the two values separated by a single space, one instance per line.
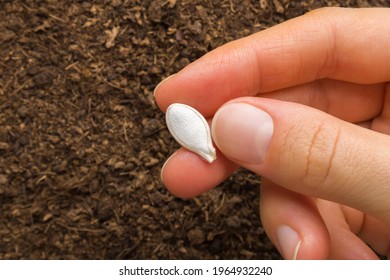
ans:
x=82 y=141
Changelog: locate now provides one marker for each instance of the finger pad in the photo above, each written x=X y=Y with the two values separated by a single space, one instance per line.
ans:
x=186 y=175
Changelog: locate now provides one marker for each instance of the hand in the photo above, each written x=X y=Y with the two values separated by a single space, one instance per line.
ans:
x=306 y=105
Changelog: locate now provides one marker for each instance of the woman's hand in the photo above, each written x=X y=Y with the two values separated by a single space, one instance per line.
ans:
x=306 y=105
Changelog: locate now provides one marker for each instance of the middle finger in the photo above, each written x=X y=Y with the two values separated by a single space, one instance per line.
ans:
x=348 y=101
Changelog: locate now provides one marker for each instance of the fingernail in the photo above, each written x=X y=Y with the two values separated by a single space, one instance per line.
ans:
x=243 y=132
x=161 y=83
x=163 y=167
x=289 y=242
x=162 y=172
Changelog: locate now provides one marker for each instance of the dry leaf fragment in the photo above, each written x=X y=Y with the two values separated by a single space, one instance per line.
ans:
x=111 y=36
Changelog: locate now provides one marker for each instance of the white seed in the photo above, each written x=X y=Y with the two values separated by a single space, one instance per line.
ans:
x=190 y=130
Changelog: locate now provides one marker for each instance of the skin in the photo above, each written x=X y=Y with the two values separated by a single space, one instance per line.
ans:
x=324 y=79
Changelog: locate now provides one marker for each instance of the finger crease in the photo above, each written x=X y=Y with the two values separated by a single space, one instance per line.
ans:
x=312 y=158
x=334 y=148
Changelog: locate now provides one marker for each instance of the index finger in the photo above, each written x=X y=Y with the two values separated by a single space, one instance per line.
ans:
x=342 y=44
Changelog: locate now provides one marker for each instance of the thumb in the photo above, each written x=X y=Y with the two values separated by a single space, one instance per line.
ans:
x=307 y=151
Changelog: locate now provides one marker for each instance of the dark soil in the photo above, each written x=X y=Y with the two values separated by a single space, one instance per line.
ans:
x=82 y=141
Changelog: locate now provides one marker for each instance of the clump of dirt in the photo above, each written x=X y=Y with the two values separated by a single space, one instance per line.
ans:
x=82 y=141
